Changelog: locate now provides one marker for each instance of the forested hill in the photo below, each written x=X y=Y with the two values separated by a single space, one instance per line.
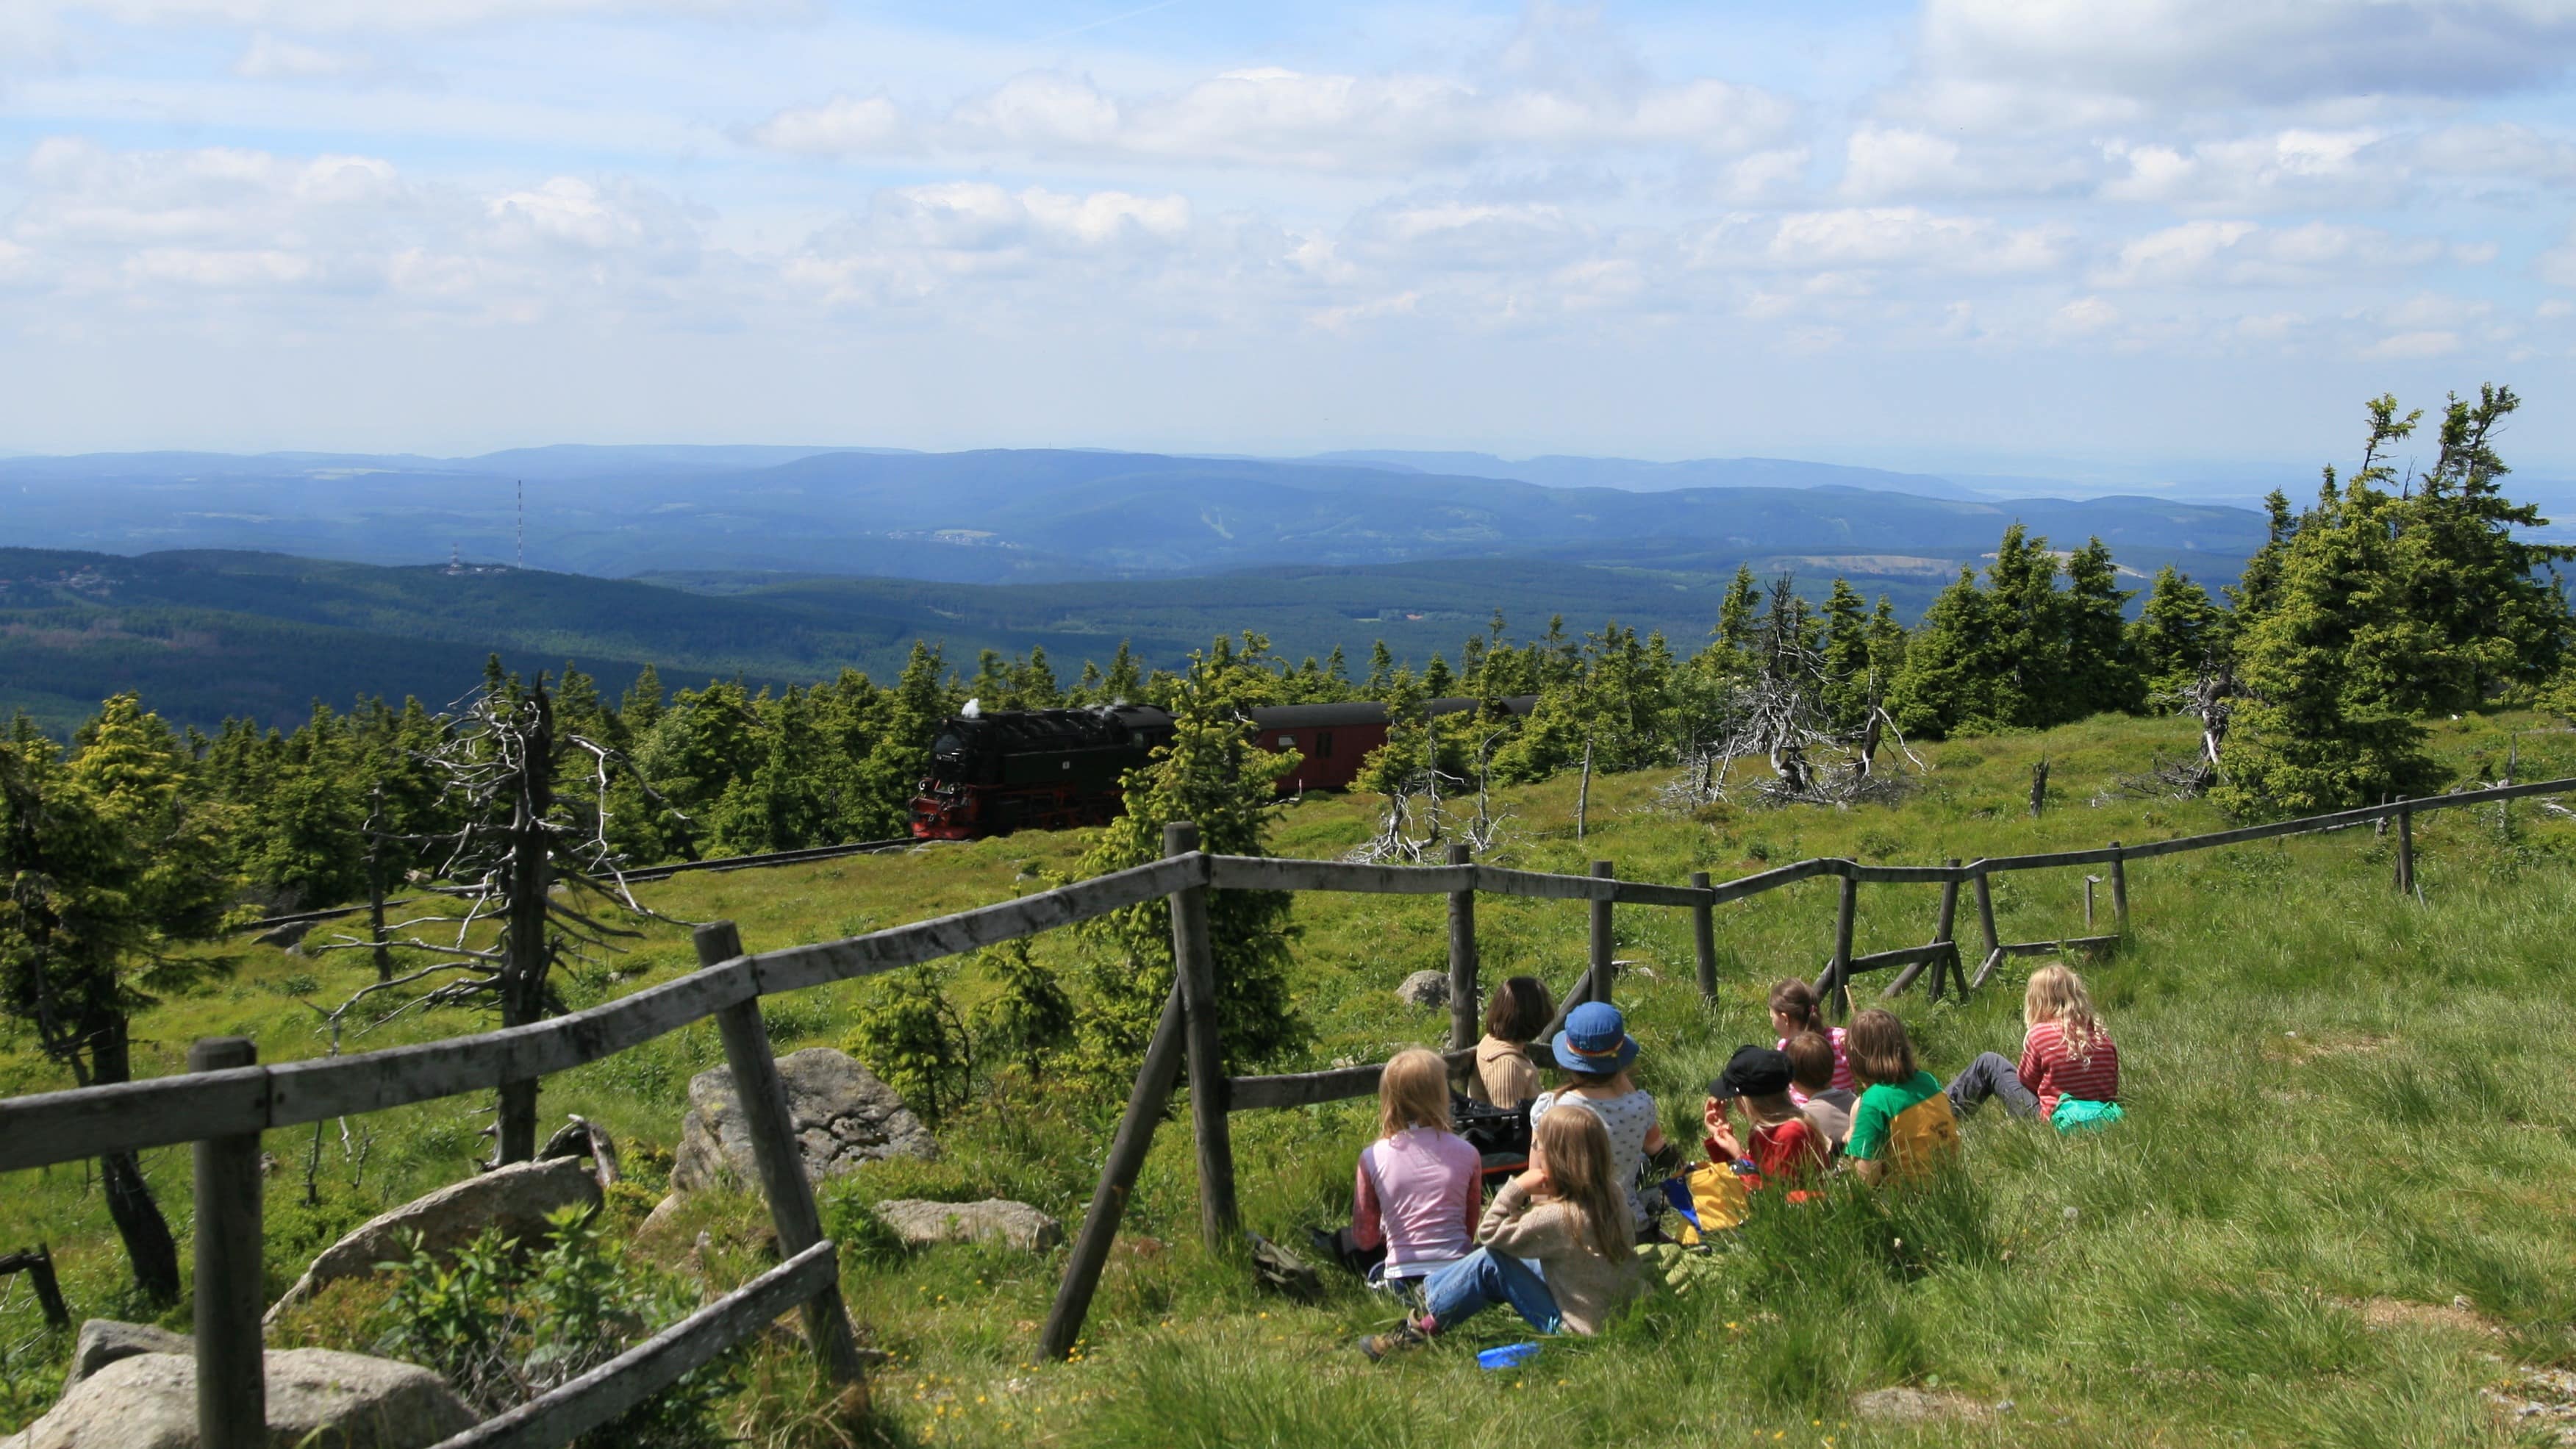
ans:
x=211 y=634
x=1017 y=516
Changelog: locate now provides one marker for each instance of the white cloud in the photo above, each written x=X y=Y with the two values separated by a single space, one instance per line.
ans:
x=1911 y=238
x=2414 y=345
x=2240 y=253
x=841 y=126
x=1271 y=116
x=270 y=58
x=1988 y=61
x=2084 y=317
x=224 y=230
x=337 y=16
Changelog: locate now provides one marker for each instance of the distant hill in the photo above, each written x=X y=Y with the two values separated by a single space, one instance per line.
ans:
x=1557 y=471
x=1020 y=516
x=207 y=634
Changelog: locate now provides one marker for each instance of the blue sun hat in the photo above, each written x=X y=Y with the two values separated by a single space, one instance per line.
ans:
x=1595 y=1040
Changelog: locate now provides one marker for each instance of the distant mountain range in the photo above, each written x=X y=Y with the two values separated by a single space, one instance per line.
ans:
x=1034 y=516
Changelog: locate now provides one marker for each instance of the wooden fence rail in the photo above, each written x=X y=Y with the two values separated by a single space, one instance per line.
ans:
x=227 y=1099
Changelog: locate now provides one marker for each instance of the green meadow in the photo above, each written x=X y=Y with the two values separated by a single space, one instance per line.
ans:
x=2338 y=1212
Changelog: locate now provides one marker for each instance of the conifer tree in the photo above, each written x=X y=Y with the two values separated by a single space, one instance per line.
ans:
x=1955 y=679
x=1736 y=614
x=2172 y=640
x=2101 y=677
x=1213 y=772
x=1849 y=682
x=1125 y=682
x=109 y=862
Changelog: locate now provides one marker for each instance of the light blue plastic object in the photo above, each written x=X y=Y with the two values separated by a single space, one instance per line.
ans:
x=1510 y=1355
x=2073 y=1116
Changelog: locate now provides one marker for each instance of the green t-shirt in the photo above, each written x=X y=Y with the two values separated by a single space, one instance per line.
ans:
x=1906 y=1124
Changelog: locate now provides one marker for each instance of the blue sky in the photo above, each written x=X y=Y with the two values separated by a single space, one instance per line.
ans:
x=2135 y=237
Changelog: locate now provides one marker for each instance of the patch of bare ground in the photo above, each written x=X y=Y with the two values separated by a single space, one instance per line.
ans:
x=2299 y=1048
x=1902 y=1405
x=2457 y=1315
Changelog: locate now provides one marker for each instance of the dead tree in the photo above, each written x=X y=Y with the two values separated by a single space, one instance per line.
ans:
x=1780 y=713
x=527 y=879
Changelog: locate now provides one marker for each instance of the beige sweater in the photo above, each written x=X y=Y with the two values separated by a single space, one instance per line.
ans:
x=1504 y=1076
x=1587 y=1286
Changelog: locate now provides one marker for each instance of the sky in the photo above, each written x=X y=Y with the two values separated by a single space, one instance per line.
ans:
x=2014 y=236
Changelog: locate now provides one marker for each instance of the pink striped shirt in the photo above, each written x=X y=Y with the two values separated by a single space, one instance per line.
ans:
x=2053 y=1076
x=1843 y=1080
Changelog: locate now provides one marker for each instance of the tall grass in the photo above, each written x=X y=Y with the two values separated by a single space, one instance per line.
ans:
x=2335 y=1097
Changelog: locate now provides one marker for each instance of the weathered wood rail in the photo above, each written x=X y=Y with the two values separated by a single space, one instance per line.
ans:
x=227 y=1099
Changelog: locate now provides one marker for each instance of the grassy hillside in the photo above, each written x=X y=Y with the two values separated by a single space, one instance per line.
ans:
x=2344 y=1121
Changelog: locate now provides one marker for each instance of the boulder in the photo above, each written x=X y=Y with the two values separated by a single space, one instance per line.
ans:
x=994 y=1220
x=1424 y=988
x=287 y=936
x=103 y=1341
x=843 y=1115
x=315 y=1395
x=515 y=1199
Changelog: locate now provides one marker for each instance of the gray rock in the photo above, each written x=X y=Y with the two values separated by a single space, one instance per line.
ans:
x=515 y=1199
x=994 y=1220
x=103 y=1341
x=315 y=1395
x=1424 y=988
x=843 y=1116
x=287 y=936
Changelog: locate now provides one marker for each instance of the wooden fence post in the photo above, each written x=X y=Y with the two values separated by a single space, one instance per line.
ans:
x=1946 y=931
x=1838 y=975
x=2119 y=891
x=1462 y=957
x=38 y=1265
x=1604 y=954
x=1194 y=962
x=2406 y=852
x=1145 y=1103
x=780 y=1157
x=1704 y=939
x=232 y=1384
x=1985 y=922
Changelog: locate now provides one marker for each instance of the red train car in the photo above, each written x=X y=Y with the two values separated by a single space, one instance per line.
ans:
x=1052 y=769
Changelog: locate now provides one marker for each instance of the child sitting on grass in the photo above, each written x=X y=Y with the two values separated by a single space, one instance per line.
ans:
x=1420 y=1186
x=2067 y=1057
x=1811 y=1070
x=1903 y=1127
x=1795 y=1012
x=1567 y=1215
x=1780 y=1143
x=1504 y=1075
x=1596 y=1052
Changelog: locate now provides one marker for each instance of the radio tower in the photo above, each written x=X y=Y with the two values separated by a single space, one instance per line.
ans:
x=523 y=525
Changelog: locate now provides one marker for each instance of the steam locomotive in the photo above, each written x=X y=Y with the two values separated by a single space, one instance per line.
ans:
x=1053 y=769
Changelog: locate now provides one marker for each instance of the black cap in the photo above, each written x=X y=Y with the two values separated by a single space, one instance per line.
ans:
x=1754 y=1071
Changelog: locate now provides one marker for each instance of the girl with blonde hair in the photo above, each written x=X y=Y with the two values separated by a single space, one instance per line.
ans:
x=1557 y=1245
x=2069 y=1072
x=1416 y=1201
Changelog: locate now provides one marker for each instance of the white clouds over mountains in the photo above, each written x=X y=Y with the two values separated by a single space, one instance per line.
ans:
x=2281 y=181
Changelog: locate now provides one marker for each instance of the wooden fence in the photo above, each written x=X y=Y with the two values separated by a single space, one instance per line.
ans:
x=227 y=1099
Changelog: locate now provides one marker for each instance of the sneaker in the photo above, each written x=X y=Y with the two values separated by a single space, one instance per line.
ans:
x=1409 y=1333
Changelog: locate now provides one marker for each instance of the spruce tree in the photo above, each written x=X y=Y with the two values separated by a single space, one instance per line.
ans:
x=2101 y=675
x=1956 y=677
x=1848 y=687
x=1213 y=772
x=2175 y=634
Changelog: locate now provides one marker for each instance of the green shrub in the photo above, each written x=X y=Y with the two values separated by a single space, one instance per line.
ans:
x=909 y=1034
x=503 y=1326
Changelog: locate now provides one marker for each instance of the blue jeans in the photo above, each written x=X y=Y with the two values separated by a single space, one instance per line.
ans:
x=1484 y=1278
x=1992 y=1075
